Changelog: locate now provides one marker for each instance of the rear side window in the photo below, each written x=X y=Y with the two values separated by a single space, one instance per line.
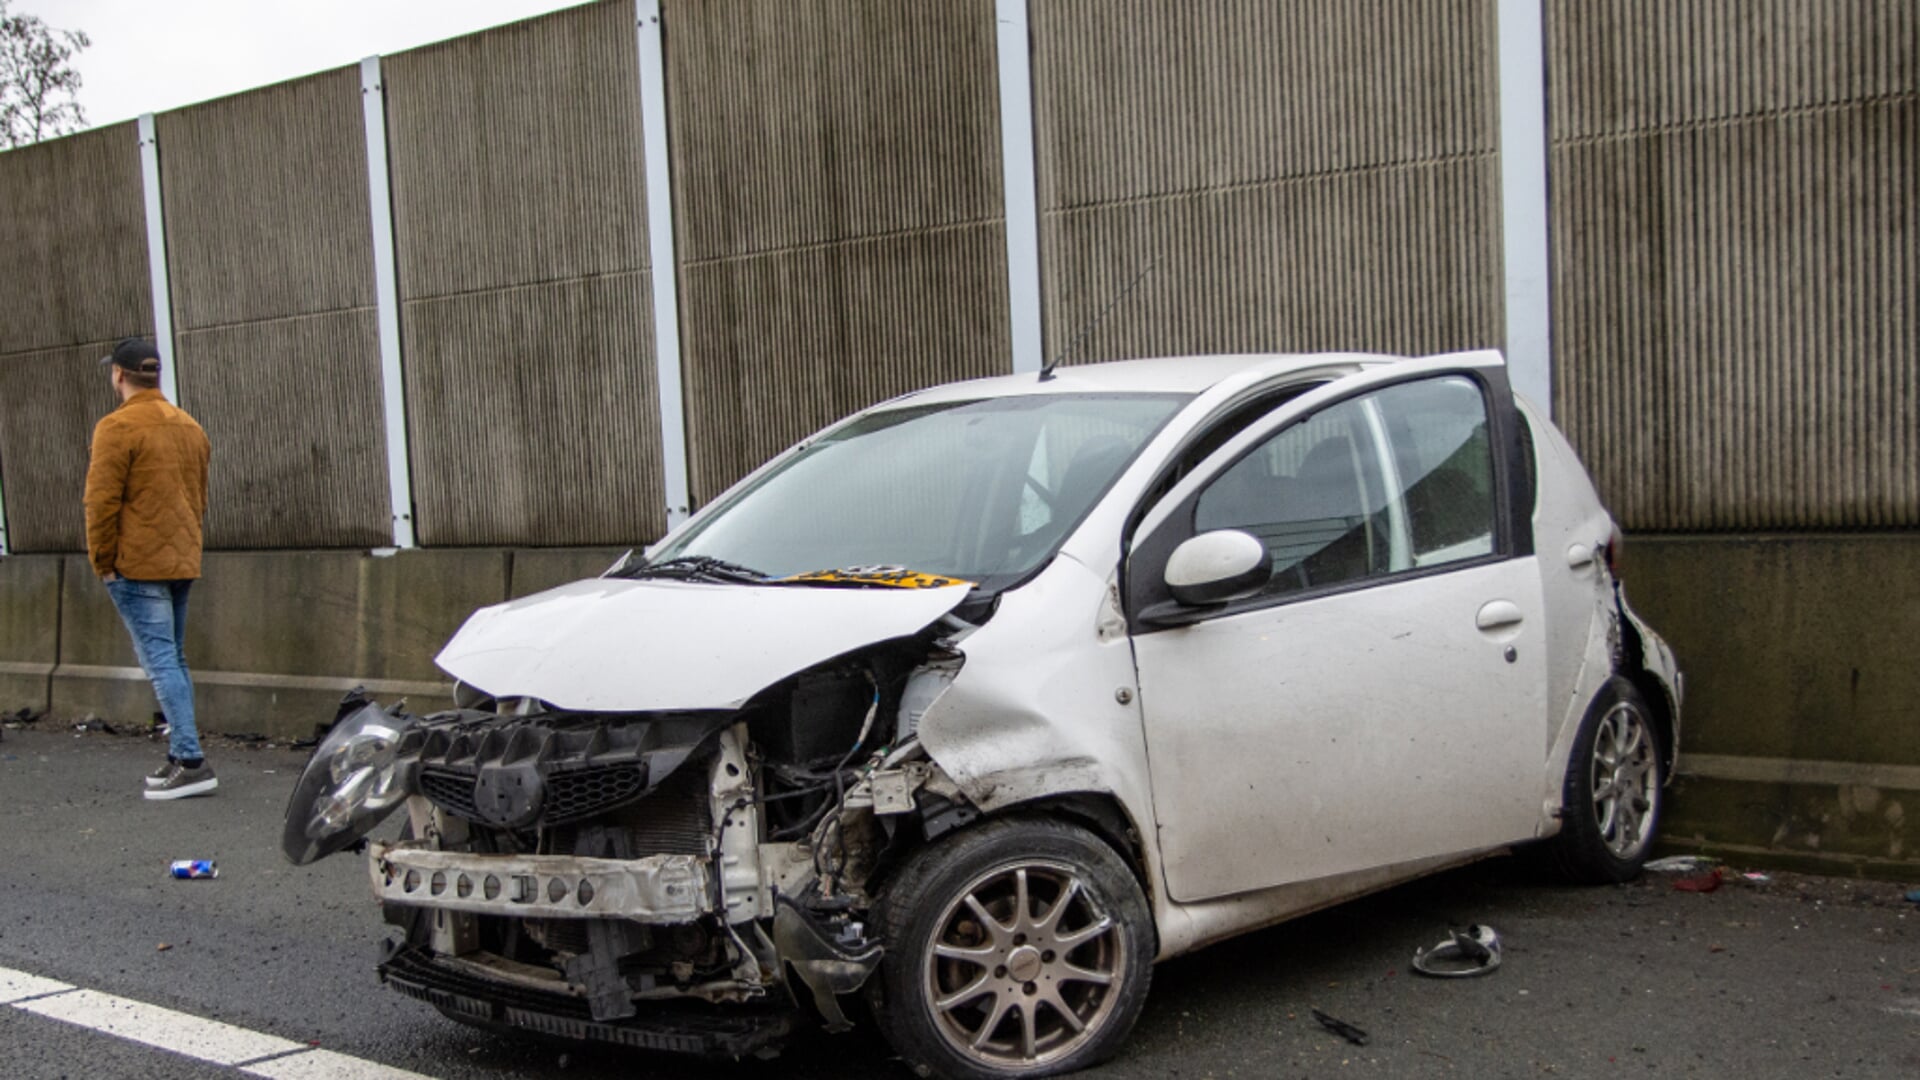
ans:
x=1444 y=461
x=1393 y=481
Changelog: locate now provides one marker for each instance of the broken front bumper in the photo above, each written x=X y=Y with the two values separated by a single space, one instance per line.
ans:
x=655 y=889
x=680 y=1027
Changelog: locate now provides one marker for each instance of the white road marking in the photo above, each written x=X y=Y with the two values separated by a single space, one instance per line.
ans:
x=136 y=1021
x=185 y=1034
x=15 y=985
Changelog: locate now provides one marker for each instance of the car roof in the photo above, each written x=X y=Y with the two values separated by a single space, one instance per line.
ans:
x=1187 y=375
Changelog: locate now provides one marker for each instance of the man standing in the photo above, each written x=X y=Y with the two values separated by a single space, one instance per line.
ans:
x=146 y=496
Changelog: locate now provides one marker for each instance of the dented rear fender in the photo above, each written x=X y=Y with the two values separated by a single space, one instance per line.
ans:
x=1647 y=660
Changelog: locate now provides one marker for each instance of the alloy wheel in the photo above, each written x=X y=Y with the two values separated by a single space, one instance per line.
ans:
x=1625 y=780
x=1025 y=966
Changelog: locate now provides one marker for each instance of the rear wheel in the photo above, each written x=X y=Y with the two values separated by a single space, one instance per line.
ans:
x=1019 y=948
x=1612 y=799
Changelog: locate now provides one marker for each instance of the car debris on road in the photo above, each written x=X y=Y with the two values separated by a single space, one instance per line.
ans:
x=1341 y=1028
x=1679 y=864
x=1467 y=953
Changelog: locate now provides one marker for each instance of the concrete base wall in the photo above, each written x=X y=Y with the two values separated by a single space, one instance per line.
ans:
x=1801 y=739
x=29 y=628
x=1801 y=744
x=273 y=638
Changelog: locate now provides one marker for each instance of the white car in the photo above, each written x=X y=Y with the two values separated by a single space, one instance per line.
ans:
x=984 y=700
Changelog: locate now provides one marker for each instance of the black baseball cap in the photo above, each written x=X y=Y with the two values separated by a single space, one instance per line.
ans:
x=134 y=354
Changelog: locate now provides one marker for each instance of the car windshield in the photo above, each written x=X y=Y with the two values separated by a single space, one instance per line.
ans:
x=983 y=490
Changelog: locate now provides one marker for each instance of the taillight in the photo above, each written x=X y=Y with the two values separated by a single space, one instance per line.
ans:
x=1616 y=556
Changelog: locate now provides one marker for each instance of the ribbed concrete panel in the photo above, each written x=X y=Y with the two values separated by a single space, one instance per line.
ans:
x=536 y=414
x=1401 y=260
x=520 y=218
x=839 y=213
x=1314 y=175
x=1734 y=289
x=1623 y=66
x=516 y=154
x=810 y=121
x=791 y=342
x=270 y=254
x=266 y=203
x=1143 y=97
x=49 y=402
x=292 y=408
x=73 y=243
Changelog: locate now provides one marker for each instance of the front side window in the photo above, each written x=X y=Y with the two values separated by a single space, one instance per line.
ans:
x=1392 y=481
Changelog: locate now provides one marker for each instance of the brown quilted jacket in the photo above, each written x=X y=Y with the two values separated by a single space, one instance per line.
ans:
x=147 y=491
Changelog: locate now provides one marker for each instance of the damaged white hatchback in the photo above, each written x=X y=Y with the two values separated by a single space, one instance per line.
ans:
x=984 y=700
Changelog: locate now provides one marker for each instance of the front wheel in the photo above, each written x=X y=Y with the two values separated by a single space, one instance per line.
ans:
x=1613 y=795
x=1019 y=948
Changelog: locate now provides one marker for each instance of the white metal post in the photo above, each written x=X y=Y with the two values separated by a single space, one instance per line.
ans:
x=1016 y=159
x=4 y=549
x=665 y=265
x=393 y=384
x=157 y=258
x=1523 y=199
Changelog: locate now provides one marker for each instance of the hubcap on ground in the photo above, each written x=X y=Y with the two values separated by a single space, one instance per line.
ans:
x=1625 y=780
x=1025 y=966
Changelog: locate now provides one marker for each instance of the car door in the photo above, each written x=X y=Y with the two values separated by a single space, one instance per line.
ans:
x=1379 y=700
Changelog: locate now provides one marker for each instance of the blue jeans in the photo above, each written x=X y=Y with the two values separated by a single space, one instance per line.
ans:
x=156 y=615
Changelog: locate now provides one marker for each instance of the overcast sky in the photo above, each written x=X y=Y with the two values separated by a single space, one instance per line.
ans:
x=154 y=55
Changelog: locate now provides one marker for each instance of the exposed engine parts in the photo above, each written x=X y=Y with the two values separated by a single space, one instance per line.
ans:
x=610 y=859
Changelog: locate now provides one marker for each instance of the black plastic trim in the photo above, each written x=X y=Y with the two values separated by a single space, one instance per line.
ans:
x=693 y=1028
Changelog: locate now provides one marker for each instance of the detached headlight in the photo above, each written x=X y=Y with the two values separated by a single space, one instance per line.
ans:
x=352 y=782
x=365 y=762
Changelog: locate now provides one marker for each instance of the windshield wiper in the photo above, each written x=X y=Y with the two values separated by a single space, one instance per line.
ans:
x=695 y=568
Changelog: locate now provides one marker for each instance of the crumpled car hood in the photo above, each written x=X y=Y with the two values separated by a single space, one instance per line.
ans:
x=612 y=645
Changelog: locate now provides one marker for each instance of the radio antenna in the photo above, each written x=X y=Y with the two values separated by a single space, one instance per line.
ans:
x=1047 y=372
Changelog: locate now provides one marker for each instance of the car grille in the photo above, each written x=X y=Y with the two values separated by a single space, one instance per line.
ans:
x=583 y=793
x=570 y=796
x=539 y=772
x=450 y=791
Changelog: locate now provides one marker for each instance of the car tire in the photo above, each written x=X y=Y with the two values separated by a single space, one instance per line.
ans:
x=973 y=987
x=1613 y=795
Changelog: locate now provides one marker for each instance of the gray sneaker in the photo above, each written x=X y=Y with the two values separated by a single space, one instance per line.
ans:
x=181 y=782
x=159 y=775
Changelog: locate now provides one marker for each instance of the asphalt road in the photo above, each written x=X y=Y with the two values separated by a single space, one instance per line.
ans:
x=1799 y=977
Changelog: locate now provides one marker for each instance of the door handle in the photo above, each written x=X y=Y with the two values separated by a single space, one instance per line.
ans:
x=1497 y=615
x=1579 y=557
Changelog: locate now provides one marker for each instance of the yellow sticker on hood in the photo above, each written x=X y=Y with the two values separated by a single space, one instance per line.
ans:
x=893 y=577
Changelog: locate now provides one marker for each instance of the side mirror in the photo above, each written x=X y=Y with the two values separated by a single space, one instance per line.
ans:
x=1218 y=566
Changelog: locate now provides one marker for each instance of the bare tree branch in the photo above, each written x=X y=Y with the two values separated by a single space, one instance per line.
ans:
x=37 y=82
